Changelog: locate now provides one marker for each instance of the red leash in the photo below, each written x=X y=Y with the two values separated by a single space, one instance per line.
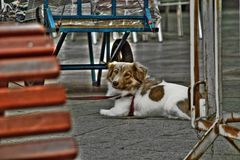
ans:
x=131 y=110
x=92 y=97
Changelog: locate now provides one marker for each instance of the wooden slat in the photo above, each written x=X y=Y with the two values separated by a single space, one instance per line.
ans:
x=54 y=149
x=26 y=46
x=3 y=84
x=15 y=29
x=28 y=68
x=35 y=123
x=16 y=98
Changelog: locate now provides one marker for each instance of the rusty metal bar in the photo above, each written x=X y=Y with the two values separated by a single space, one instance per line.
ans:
x=36 y=123
x=31 y=97
x=217 y=48
x=229 y=131
x=233 y=143
x=192 y=62
x=208 y=138
x=196 y=85
x=231 y=117
x=15 y=29
x=196 y=58
x=194 y=49
x=203 y=125
x=26 y=46
x=28 y=68
x=196 y=99
x=54 y=149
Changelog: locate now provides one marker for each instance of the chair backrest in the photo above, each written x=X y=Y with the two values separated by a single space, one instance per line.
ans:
x=27 y=55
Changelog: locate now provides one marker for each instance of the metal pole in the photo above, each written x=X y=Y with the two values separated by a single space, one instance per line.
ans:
x=79 y=7
x=108 y=46
x=208 y=50
x=2 y=4
x=60 y=42
x=91 y=57
x=179 y=19
x=194 y=69
x=122 y=42
x=216 y=40
x=101 y=58
x=113 y=7
x=192 y=59
x=200 y=148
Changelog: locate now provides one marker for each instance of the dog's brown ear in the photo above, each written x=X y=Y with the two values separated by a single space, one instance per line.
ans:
x=110 y=69
x=140 y=71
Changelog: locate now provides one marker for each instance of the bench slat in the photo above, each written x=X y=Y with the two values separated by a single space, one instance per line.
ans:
x=26 y=46
x=14 y=29
x=35 y=96
x=28 y=68
x=54 y=149
x=34 y=123
x=3 y=84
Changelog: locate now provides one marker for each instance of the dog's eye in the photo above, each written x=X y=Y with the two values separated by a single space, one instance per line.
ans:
x=115 y=71
x=127 y=75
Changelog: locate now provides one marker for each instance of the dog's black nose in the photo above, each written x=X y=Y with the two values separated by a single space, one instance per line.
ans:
x=115 y=83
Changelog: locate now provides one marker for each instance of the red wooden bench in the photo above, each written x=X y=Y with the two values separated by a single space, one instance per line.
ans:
x=26 y=55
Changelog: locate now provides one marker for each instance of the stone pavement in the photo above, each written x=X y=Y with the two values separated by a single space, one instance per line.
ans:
x=102 y=138
x=152 y=138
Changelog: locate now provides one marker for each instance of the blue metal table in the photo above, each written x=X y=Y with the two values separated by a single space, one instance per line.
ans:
x=58 y=22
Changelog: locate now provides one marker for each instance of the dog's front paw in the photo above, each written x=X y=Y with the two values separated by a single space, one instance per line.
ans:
x=104 y=112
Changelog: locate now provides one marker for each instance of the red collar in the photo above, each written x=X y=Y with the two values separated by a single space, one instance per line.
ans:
x=131 y=110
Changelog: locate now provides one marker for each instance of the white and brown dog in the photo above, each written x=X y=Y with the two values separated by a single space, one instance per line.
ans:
x=142 y=96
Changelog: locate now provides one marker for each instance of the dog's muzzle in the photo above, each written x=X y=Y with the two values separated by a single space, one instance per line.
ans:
x=115 y=83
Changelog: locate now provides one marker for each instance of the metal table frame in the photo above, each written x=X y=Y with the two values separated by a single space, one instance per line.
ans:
x=50 y=20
